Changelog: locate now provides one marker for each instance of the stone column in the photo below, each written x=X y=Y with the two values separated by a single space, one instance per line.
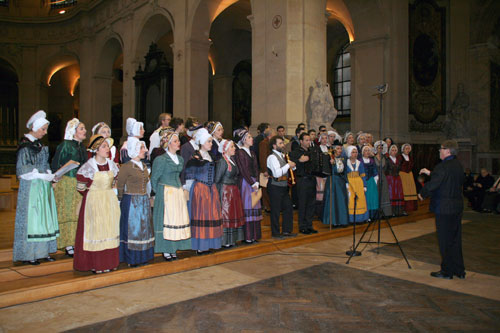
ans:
x=179 y=96
x=223 y=100
x=29 y=89
x=130 y=66
x=102 y=99
x=86 y=83
x=197 y=78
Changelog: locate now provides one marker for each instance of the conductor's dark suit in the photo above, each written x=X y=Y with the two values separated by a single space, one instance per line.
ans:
x=445 y=190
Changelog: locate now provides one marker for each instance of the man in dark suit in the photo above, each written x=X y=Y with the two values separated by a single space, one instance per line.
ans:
x=306 y=184
x=445 y=190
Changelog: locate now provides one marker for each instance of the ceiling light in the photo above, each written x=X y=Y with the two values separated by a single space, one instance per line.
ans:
x=62 y=11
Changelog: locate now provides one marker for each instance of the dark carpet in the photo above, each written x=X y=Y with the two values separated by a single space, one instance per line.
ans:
x=480 y=245
x=327 y=298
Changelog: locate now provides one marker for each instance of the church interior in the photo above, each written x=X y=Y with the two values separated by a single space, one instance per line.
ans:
x=243 y=63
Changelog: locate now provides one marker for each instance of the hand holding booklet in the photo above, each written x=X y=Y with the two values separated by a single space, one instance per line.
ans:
x=66 y=168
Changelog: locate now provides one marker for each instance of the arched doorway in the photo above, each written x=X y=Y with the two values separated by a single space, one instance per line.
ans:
x=339 y=72
x=154 y=77
x=9 y=105
x=109 y=87
x=231 y=53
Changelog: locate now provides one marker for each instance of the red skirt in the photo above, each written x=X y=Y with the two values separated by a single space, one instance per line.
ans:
x=90 y=260
x=231 y=207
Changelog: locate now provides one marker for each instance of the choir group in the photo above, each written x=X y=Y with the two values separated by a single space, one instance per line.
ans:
x=193 y=189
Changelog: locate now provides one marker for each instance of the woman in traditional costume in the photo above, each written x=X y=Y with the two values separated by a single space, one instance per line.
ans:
x=170 y=213
x=389 y=142
x=249 y=171
x=36 y=227
x=160 y=150
x=356 y=187
x=136 y=227
x=204 y=202
x=98 y=231
x=226 y=179
x=394 y=182
x=371 y=180
x=216 y=130
x=67 y=197
x=406 y=174
x=103 y=129
x=335 y=212
x=383 y=188
x=134 y=129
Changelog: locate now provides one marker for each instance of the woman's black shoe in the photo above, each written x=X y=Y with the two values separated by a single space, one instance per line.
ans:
x=49 y=259
x=32 y=262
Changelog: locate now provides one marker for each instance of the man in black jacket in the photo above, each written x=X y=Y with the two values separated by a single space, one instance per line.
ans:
x=445 y=190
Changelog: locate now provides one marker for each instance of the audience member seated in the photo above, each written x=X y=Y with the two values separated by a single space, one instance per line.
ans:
x=482 y=183
x=491 y=202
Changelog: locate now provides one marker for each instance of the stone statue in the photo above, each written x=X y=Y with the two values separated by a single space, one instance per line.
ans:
x=458 y=124
x=321 y=108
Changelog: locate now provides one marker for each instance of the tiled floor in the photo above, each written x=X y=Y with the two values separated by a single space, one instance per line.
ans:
x=375 y=291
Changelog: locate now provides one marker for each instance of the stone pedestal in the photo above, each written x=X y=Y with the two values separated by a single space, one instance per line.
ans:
x=466 y=151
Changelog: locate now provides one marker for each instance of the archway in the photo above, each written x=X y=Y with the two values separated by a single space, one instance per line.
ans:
x=339 y=72
x=231 y=53
x=9 y=104
x=109 y=87
x=154 y=77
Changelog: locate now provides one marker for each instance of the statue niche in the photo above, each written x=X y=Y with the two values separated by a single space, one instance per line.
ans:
x=153 y=89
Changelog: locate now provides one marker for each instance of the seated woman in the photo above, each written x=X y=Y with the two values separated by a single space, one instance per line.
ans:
x=356 y=186
x=98 y=232
x=136 y=229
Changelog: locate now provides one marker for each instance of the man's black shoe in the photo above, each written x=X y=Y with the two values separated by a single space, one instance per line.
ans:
x=312 y=231
x=277 y=236
x=441 y=275
x=289 y=234
x=305 y=231
x=460 y=275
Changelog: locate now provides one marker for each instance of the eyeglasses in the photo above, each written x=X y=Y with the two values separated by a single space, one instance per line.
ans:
x=443 y=148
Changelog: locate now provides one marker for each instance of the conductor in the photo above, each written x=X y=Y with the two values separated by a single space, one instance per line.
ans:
x=445 y=190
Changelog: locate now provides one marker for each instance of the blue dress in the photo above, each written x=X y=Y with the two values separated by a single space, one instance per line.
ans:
x=27 y=247
x=136 y=228
x=336 y=195
x=371 y=187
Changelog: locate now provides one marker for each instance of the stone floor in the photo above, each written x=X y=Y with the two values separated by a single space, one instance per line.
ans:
x=327 y=297
x=305 y=288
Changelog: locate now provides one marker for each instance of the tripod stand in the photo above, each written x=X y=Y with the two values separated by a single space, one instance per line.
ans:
x=382 y=89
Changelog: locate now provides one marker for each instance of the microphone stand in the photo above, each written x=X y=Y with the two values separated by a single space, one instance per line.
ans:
x=352 y=252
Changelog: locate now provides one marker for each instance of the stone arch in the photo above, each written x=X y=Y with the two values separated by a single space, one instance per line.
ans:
x=55 y=63
x=157 y=27
x=108 y=85
x=337 y=10
x=202 y=16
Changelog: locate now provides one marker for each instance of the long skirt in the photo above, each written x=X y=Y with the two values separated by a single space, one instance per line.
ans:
x=171 y=221
x=385 y=200
x=396 y=194
x=253 y=215
x=335 y=202
x=206 y=224
x=68 y=202
x=136 y=230
x=356 y=186
x=372 y=197
x=233 y=218
x=33 y=194
x=409 y=191
x=92 y=260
